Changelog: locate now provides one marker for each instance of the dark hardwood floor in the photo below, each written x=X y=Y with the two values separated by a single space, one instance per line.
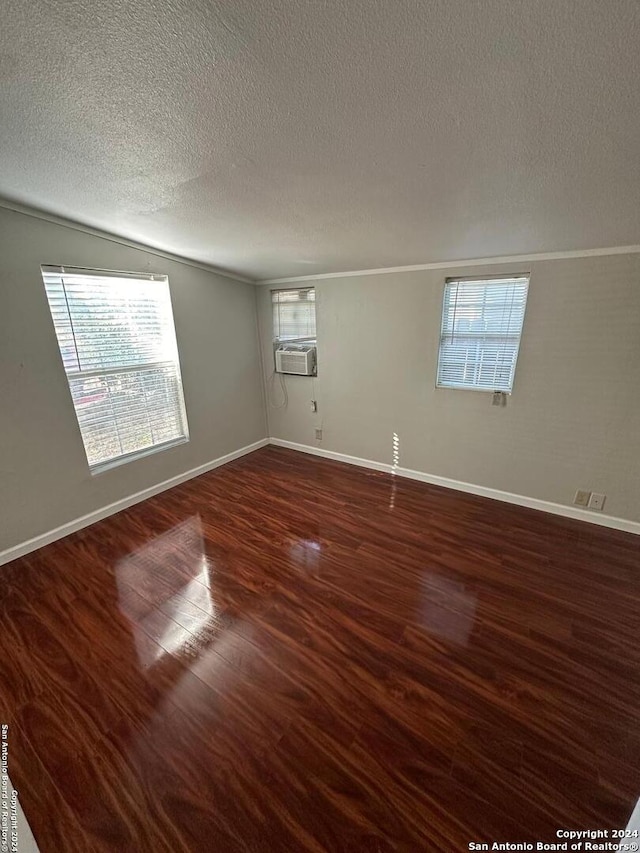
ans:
x=290 y=654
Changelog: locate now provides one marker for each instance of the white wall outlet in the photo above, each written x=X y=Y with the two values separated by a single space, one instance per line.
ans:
x=596 y=501
x=318 y=435
x=314 y=405
x=582 y=498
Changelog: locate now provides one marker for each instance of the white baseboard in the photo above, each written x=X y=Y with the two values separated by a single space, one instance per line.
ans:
x=495 y=494
x=330 y=454
x=77 y=524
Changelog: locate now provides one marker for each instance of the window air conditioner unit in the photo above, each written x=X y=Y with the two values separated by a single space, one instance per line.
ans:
x=296 y=358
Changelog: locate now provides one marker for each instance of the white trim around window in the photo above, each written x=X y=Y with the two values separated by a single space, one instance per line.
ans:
x=117 y=341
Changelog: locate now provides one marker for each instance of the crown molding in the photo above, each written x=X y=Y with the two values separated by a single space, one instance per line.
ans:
x=25 y=210
x=470 y=262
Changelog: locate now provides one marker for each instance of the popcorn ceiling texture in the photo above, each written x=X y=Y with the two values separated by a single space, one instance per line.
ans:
x=290 y=137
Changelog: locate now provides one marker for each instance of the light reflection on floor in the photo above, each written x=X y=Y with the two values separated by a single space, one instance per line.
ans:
x=213 y=659
x=305 y=556
x=184 y=544
x=395 y=457
x=174 y=636
x=448 y=610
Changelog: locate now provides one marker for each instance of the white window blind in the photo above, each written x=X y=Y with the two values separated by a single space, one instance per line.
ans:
x=117 y=340
x=294 y=314
x=480 y=336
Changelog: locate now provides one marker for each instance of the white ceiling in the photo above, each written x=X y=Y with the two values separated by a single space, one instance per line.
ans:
x=285 y=137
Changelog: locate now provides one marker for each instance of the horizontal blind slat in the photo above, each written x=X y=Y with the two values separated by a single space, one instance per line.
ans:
x=480 y=332
x=117 y=341
x=294 y=314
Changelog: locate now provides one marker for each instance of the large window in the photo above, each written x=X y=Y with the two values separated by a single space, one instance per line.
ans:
x=118 y=346
x=294 y=315
x=480 y=335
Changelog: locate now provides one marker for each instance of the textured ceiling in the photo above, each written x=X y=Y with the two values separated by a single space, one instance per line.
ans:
x=284 y=137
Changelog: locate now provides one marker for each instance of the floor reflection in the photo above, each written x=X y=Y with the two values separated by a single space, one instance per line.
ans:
x=197 y=655
x=170 y=577
x=448 y=610
x=395 y=456
x=305 y=555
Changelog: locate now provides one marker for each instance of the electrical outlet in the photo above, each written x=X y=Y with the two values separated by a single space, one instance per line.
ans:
x=582 y=498
x=596 y=501
x=314 y=406
x=318 y=435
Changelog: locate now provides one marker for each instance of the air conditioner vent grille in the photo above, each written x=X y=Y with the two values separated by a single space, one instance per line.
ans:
x=299 y=360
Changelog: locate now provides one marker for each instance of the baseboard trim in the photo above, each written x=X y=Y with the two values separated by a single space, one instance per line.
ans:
x=330 y=454
x=576 y=513
x=43 y=539
x=111 y=509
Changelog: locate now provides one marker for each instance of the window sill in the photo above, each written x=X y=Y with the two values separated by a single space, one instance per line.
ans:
x=103 y=467
x=310 y=342
x=470 y=388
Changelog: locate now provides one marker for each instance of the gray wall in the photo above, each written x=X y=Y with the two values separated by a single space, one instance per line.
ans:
x=573 y=420
x=44 y=478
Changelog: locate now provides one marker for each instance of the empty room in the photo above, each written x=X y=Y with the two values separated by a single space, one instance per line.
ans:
x=319 y=426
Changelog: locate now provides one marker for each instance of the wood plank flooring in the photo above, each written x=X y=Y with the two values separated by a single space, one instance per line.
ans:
x=290 y=654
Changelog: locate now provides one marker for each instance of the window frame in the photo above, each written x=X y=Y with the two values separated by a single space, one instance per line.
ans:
x=311 y=340
x=98 y=468
x=479 y=278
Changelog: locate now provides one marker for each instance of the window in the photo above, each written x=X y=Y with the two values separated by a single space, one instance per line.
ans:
x=294 y=315
x=117 y=340
x=480 y=336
